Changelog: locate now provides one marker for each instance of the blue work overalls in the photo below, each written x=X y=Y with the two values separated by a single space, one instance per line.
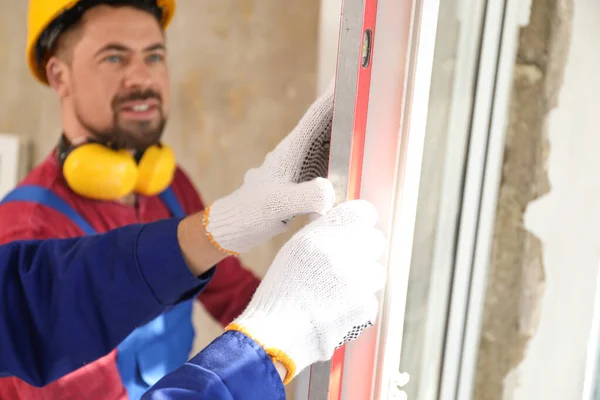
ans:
x=152 y=350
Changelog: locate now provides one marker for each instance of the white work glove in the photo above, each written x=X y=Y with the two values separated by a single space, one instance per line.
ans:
x=288 y=183
x=320 y=290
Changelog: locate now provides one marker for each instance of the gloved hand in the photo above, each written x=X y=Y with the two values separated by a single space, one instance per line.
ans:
x=320 y=289
x=288 y=183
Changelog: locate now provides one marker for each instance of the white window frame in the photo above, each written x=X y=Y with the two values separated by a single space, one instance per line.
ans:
x=398 y=106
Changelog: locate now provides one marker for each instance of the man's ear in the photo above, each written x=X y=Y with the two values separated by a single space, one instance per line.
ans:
x=57 y=74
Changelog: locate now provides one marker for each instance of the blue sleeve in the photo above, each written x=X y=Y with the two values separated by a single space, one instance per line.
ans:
x=68 y=302
x=232 y=367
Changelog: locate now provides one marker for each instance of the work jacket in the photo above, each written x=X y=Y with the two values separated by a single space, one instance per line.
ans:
x=43 y=206
x=62 y=306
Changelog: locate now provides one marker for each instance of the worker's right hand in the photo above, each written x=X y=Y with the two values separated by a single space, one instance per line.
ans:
x=320 y=290
x=289 y=183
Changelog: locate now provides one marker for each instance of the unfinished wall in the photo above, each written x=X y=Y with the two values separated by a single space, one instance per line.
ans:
x=242 y=73
x=517 y=281
x=566 y=221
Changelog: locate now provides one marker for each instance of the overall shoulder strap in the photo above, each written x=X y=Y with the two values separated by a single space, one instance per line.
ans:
x=170 y=200
x=46 y=197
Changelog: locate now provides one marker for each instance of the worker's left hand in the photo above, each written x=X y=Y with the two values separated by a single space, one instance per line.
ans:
x=288 y=183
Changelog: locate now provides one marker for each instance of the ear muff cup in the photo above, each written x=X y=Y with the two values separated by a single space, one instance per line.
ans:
x=155 y=170
x=95 y=171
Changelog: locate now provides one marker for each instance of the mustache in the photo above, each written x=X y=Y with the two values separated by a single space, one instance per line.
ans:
x=138 y=95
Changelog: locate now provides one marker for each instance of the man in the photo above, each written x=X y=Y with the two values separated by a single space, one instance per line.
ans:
x=106 y=62
x=319 y=288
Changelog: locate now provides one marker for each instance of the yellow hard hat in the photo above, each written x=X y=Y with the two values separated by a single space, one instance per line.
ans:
x=43 y=13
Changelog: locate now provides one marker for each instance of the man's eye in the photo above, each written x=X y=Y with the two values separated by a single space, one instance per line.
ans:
x=155 y=58
x=114 y=59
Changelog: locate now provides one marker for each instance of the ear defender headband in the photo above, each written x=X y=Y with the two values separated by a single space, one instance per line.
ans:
x=96 y=171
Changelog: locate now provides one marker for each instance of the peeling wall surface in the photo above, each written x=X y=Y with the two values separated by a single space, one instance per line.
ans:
x=546 y=253
x=566 y=220
x=242 y=74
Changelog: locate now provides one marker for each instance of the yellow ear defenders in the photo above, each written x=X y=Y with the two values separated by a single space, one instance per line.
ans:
x=96 y=171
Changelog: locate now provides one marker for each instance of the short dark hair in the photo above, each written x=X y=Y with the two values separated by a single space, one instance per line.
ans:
x=46 y=44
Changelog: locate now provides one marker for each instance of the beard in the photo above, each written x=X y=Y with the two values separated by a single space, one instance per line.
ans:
x=129 y=134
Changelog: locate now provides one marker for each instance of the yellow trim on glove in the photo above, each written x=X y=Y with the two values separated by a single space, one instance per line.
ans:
x=211 y=239
x=275 y=354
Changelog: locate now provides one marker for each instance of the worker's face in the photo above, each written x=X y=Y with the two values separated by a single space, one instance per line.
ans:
x=117 y=85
